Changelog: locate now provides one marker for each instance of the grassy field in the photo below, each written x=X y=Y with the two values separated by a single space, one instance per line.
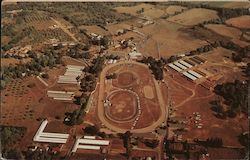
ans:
x=241 y=22
x=233 y=33
x=133 y=9
x=167 y=34
x=194 y=16
x=173 y=9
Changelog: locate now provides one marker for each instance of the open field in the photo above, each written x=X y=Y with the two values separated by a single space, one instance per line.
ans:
x=13 y=61
x=241 y=22
x=132 y=100
x=153 y=13
x=194 y=16
x=149 y=10
x=42 y=25
x=132 y=10
x=166 y=34
x=172 y=9
x=212 y=126
x=197 y=99
x=93 y=29
x=232 y=33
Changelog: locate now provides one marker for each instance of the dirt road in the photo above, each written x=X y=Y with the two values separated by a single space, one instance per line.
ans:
x=65 y=29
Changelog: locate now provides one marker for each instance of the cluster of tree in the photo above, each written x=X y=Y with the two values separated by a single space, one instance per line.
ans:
x=97 y=65
x=88 y=83
x=47 y=58
x=244 y=139
x=76 y=117
x=156 y=66
x=15 y=35
x=140 y=11
x=151 y=143
x=45 y=75
x=10 y=136
x=101 y=41
x=171 y=151
x=238 y=55
x=127 y=143
x=247 y=70
x=94 y=131
x=212 y=21
x=240 y=52
x=235 y=95
x=91 y=13
x=205 y=48
x=79 y=51
x=112 y=56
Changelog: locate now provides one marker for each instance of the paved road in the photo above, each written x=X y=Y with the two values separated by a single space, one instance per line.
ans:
x=101 y=98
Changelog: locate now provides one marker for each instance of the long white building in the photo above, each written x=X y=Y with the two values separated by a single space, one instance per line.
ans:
x=47 y=137
x=175 y=67
x=190 y=76
x=195 y=74
x=90 y=143
x=180 y=65
x=185 y=64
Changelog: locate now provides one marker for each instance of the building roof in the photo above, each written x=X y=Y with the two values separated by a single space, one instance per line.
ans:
x=134 y=54
x=175 y=67
x=189 y=76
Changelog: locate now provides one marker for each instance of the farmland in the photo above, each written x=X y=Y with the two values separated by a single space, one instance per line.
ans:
x=240 y=22
x=194 y=16
x=129 y=80
x=233 y=33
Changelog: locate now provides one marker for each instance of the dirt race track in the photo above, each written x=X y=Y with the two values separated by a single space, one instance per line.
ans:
x=124 y=107
x=123 y=102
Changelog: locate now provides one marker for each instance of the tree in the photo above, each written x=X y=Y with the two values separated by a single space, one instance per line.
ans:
x=92 y=130
x=127 y=143
x=105 y=42
x=45 y=75
x=151 y=143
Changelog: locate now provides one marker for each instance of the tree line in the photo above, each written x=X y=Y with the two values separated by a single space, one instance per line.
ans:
x=239 y=53
x=235 y=95
x=156 y=66
x=88 y=84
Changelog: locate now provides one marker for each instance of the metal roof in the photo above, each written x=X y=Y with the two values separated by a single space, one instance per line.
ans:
x=180 y=65
x=55 y=135
x=89 y=137
x=175 y=67
x=189 y=76
x=93 y=141
x=89 y=147
x=185 y=64
x=51 y=140
x=195 y=74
